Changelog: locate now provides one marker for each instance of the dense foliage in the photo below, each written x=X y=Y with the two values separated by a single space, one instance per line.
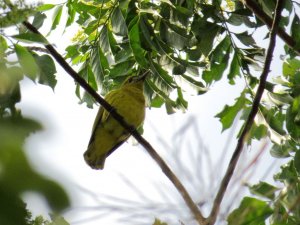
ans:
x=186 y=45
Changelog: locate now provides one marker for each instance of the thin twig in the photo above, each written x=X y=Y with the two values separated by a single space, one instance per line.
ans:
x=31 y=48
x=250 y=120
x=162 y=164
x=258 y=11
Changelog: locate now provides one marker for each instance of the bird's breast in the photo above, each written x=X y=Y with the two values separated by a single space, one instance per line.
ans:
x=132 y=107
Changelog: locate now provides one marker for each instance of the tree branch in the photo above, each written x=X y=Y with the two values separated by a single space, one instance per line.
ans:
x=257 y=10
x=250 y=120
x=162 y=164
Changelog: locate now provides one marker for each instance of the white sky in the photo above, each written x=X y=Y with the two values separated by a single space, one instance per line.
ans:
x=58 y=152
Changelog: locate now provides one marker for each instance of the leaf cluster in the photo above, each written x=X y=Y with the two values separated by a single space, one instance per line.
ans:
x=18 y=176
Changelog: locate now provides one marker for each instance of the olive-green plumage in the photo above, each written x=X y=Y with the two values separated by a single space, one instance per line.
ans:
x=108 y=134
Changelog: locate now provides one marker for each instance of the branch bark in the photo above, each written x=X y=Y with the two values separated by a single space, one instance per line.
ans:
x=156 y=157
x=257 y=10
x=250 y=120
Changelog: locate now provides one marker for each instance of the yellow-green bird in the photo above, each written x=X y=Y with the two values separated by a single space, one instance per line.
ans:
x=108 y=134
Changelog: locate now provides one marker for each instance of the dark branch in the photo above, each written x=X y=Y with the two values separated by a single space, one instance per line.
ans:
x=257 y=10
x=164 y=167
x=250 y=120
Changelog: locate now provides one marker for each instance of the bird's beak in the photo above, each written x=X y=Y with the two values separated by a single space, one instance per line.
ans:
x=144 y=76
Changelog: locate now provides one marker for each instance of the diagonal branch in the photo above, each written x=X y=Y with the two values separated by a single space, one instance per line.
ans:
x=162 y=164
x=257 y=10
x=250 y=120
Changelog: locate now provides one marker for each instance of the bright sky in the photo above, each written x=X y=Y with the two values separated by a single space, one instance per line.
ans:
x=130 y=174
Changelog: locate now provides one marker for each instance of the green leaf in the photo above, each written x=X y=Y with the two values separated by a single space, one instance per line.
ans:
x=135 y=43
x=291 y=124
x=159 y=72
x=122 y=69
x=267 y=6
x=257 y=132
x=181 y=15
x=280 y=99
x=206 y=39
x=275 y=119
x=181 y=102
x=108 y=43
x=27 y=62
x=157 y=102
x=3 y=46
x=47 y=70
x=118 y=22
x=159 y=222
x=57 y=220
x=228 y=114
x=148 y=35
x=100 y=66
x=104 y=40
x=31 y=38
x=170 y=104
x=297 y=162
x=12 y=208
x=38 y=20
x=290 y=67
x=264 y=189
x=87 y=74
x=250 y=212
x=178 y=70
x=194 y=53
x=281 y=151
x=200 y=87
x=72 y=51
x=83 y=9
x=173 y=35
x=56 y=17
x=288 y=174
x=18 y=176
x=241 y=16
x=124 y=53
x=234 y=69
x=218 y=61
x=77 y=92
x=45 y=7
x=16 y=16
x=10 y=92
x=295 y=30
x=246 y=39
x=71 y=14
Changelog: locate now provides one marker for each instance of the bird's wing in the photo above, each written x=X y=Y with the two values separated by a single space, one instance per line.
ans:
x=116 y=146
x=102 y=114
x=96 y=122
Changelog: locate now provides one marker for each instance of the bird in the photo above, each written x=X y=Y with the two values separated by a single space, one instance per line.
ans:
x=107 y=134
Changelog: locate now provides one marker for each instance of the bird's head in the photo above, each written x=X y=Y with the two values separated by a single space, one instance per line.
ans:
x=136 y=81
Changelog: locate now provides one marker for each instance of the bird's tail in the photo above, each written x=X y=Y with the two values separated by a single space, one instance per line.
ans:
x=93 y=159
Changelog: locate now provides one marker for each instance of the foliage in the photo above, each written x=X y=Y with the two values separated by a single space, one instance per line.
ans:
x=17 y=176
x=158 y=222
x=186 y=45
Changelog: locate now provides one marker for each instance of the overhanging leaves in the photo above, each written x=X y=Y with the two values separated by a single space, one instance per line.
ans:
x=218 y=61
x=47 y=70
x=228 y=114
x=135 y=43
x=251 y=211
x=27 y=62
